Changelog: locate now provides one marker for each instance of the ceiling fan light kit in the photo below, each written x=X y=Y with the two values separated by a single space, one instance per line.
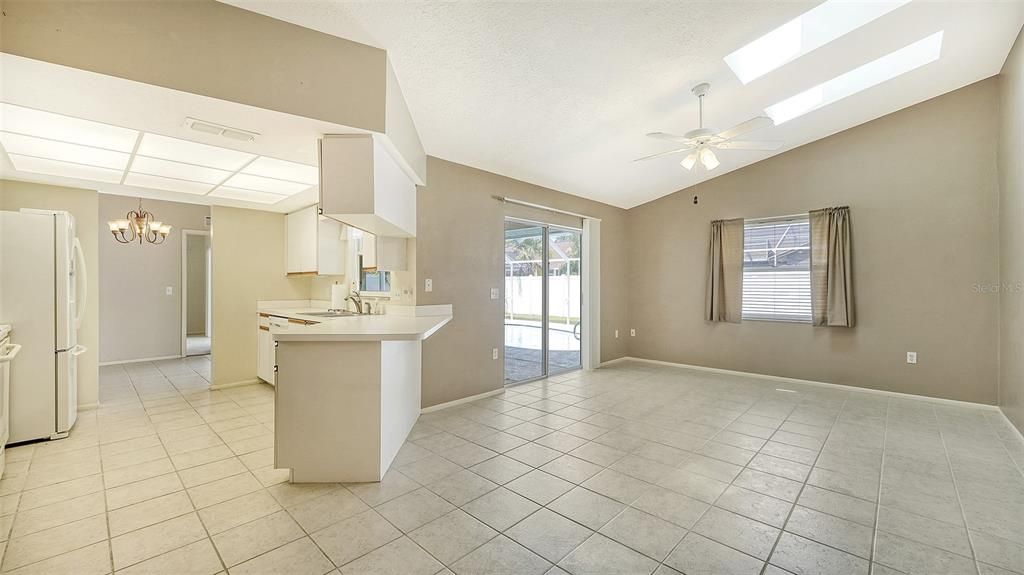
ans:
x=701 y=142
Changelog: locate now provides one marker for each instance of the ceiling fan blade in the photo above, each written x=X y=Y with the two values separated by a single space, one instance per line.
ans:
x=669 y=137
x=660 y=154
x=749 y=145
x=744 y=127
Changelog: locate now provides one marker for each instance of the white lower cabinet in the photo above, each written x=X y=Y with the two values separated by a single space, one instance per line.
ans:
x=265 y=352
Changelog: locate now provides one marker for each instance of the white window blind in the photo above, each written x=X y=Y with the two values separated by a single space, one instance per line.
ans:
x=776 y=269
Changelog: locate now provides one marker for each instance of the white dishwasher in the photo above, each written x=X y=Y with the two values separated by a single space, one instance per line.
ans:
x=8 y=351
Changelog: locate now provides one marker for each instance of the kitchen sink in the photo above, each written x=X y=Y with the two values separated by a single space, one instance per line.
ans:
x=342 y=313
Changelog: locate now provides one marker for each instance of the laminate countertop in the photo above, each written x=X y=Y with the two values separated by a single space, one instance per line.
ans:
x=414 y=324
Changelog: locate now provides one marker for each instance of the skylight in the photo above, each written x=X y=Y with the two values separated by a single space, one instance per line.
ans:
x=57 y=145
x=805 y=33
x=887 y=67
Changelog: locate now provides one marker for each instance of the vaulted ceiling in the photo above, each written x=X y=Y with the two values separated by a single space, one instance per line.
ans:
x=561 y=94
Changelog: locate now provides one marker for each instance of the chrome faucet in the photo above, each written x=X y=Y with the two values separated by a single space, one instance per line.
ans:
x=358 y=301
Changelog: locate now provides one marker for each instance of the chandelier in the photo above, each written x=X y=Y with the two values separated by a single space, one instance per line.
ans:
x=140 y=226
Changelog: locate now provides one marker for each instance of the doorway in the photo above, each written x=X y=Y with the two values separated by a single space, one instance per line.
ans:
x=196 y=309
x=543 y=300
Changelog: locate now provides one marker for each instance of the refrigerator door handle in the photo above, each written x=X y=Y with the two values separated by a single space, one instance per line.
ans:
x=84 y=280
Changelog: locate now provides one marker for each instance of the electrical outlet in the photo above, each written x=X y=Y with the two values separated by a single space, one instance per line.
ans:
x=616 y=334
x=495 y=293
x=428 y=285
x=911 y=357
x=632 y=332
x=494 y=353
x=169 y=290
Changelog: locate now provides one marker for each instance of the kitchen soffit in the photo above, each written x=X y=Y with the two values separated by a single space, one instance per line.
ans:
x=47 y=143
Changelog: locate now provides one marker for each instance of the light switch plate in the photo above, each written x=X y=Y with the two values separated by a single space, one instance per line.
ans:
x=494 y=353
x=616 y=334
x=428 y=285
x=495 y=293
x=911 y=357
x=632 y=332
x=169 y=290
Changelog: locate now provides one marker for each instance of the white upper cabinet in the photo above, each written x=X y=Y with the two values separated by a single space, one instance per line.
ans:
x=316 y=244
x=301 y=239
x=382 y=253
x=363 y=185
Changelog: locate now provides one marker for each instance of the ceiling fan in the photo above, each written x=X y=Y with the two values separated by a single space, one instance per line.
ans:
x=702 y=142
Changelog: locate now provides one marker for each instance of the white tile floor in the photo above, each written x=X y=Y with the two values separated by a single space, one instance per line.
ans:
x=632 y=469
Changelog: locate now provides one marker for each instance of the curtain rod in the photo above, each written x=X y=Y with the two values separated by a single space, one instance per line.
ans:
x=508 y=200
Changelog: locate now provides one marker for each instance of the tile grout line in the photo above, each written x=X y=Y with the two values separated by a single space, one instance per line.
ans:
x=956 y=490
x=1016 y=464
x=177 y=475
x=785 y=522
x=764 y=394
x=881 y=477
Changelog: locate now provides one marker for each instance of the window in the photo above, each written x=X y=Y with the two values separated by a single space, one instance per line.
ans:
x=777 y=270
x=371 y=281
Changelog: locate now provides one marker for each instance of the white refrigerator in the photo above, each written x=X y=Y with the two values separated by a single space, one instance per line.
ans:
x=42 y=297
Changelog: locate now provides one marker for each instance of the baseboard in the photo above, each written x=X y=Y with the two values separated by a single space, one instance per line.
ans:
x=448 y=404
x=792 y=380
x=140 y=360
x=219 y=386
x=88 y=406
x=1020 y=434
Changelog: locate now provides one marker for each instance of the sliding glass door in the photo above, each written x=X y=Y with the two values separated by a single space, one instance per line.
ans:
x=564 y=300
x=542 y=300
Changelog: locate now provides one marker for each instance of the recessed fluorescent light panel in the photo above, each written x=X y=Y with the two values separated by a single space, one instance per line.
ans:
x=169 y=184
x=282 y=170
x=268 y=185
x=188 y=152
x=247 y=195
x=64 y=169
x=887 y=67
x=31 y=122
x=62 y=151
x=178 y=170
x=57 y=145
x=805 y=33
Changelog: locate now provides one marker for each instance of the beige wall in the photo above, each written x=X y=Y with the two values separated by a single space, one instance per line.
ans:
x=134 y=278
x=1011 y=236
x=248 y=266
x=196 y=257
x=460 y=246
x=924 y=203
x=83 y=205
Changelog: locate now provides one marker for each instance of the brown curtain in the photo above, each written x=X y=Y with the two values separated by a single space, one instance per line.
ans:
x=831 y=268
x=725 y=272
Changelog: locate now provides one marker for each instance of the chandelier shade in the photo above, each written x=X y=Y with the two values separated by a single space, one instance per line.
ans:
x=139 y=226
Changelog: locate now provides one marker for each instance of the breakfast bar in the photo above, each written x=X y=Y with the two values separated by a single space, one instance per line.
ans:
x=348 y=393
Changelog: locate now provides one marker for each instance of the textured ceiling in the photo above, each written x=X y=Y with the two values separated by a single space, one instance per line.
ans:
x=560 y=94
